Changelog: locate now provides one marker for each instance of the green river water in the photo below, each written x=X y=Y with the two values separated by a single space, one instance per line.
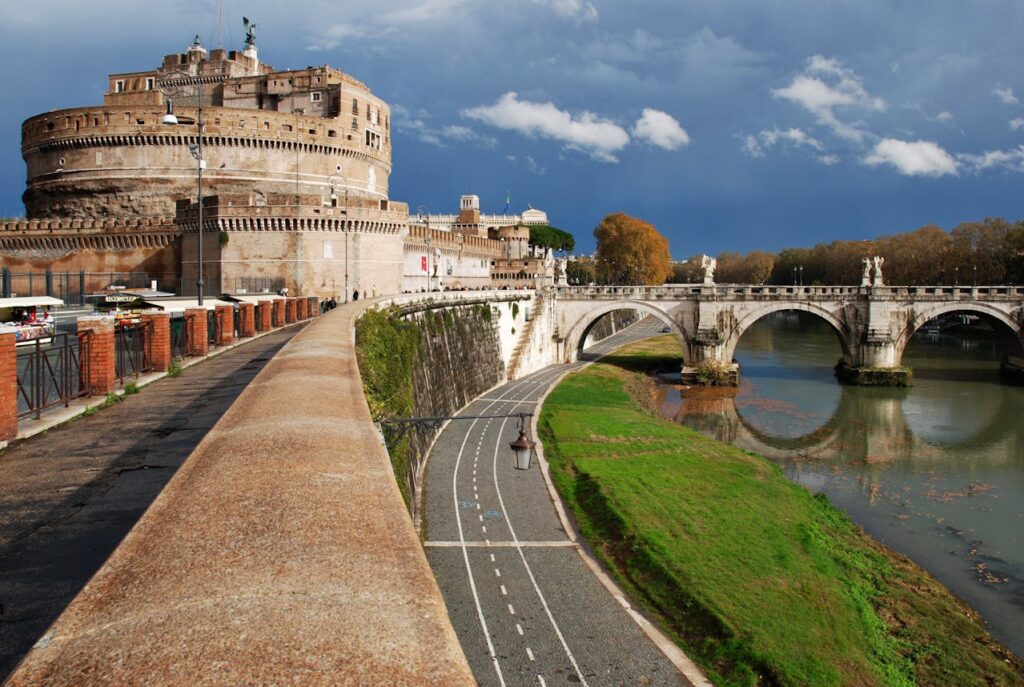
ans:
x=936 y=471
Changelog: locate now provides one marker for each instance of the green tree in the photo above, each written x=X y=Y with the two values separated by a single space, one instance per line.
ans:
x=631 y=251
x=580 y=272
x=551 y=237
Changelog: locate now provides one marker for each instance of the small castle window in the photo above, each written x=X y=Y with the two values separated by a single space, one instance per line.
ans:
x=119 y=86
x=316 y=96
x=140 y=122
x=331 y=133
x=150 y=82
x=355 y=106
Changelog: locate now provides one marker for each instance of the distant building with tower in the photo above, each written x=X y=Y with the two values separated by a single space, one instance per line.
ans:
x=296 y=168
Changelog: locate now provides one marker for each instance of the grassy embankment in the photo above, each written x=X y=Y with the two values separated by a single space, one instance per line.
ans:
x=758 y=580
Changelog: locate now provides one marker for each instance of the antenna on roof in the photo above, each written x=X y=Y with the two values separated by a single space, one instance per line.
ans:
x=220 y=24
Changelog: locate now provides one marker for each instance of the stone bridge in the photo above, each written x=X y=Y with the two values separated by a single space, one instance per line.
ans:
x=873 y=323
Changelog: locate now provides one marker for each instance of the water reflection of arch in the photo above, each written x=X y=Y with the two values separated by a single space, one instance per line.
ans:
x=867 y=425
x=579 y=331
x=1009 y=328
x=834 y=320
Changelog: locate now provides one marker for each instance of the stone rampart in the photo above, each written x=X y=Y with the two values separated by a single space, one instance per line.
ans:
x=280 y=553
x=97 y=161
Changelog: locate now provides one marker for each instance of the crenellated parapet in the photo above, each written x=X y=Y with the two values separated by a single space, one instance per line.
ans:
x=97 y=234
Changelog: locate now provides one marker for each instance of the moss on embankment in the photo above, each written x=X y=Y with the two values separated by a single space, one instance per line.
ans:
x=761 y=582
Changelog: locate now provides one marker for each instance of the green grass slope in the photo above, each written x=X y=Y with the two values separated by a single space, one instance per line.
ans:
x=761 y=582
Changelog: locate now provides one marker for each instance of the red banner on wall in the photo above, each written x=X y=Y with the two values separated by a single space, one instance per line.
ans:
x=423 y=263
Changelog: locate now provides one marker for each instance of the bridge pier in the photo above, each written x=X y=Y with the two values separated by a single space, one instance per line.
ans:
x=878 y=363
x=709 y=364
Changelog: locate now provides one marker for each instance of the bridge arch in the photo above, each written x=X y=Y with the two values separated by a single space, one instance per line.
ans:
x=1011 y=328
x=747 y=321
x=577 y=334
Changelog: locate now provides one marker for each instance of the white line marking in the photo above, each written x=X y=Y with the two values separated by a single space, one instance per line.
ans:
x=492 y=558
x=524 y=544
x=504 y=592
x=484 y=528
x=469 y=568
x=497 y=572
x=540 y=679
x=529 y=652
x=519 y=629
x=526 y=564
x=511 y=611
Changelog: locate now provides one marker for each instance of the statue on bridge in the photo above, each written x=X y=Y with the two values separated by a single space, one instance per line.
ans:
x=708 y=264
x=865 y=278
x=878 y=280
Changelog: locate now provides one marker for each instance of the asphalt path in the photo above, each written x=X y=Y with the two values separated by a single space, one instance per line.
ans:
x=525 y=605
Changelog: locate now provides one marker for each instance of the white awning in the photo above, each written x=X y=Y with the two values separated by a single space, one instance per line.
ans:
x=28 y=301
x=256 y=298
x=179 y=306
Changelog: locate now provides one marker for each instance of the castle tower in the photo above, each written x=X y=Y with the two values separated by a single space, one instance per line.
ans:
x=469 y=209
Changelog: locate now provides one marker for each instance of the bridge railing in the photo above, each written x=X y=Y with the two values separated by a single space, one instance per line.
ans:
x=757 y=292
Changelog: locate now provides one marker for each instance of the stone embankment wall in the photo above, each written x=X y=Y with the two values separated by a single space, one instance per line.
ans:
x=465 y=344
x=615 y=321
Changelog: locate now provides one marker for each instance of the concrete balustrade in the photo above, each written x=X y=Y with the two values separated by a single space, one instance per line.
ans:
x=280 y=553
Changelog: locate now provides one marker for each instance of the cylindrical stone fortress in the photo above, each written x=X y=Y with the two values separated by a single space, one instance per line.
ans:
x=306 y=131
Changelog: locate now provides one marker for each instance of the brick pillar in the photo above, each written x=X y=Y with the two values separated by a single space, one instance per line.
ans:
x=265 y=308
x=302 y=308
x=99 y=364
x=8 y=388
x=158 y=339
x=195 y=325
x=289 y=310
x=314 y=306
x=225 y=315
x=246 y=320
x=278 y=312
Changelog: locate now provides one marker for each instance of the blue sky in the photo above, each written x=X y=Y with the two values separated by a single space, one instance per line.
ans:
x=728 y=125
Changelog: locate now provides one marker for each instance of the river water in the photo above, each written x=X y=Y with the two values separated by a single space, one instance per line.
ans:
x=935 y=471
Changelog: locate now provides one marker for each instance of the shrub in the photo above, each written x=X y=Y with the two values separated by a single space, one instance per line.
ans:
x=174 y=369
x=131 y=388
x=714 y=373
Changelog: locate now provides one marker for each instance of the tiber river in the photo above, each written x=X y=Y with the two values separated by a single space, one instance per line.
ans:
x=935 y=471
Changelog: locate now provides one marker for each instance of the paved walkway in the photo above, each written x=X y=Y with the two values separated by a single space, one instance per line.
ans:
x=68 y=496
x=520 y=591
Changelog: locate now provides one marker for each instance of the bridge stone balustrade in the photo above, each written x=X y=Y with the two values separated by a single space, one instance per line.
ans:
x=873 y=324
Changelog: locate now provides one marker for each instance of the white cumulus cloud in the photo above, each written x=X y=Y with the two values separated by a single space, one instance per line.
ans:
x=826 y=86
x=1012 y=160
x=660 y=129
x=757 y=145
x=912 y=158
x=599 y=137
x=1006 y=95
x=1017 y=124
x=944 y=117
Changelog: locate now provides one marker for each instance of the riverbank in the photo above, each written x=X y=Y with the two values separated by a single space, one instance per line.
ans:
x=758 y=580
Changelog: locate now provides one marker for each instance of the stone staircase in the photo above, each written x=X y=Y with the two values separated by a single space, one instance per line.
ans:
x=526 y=337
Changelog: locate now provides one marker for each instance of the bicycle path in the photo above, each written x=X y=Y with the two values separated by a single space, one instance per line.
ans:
x=68 y=496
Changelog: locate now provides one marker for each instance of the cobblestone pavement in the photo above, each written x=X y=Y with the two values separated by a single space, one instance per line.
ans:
x=68 y=496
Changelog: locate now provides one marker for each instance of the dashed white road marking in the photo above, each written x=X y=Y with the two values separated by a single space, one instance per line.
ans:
x=540 y=680
x=497 y=572
x=529 y=652
x=511 y=611
x=504 y=592
x=519 y=628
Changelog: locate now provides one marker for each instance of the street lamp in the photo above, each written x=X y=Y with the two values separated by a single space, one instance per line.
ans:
x=333 y=182
x=196 y=149
x=523 y=447
x=801 y=268
x=421 y=210
x=393 y=429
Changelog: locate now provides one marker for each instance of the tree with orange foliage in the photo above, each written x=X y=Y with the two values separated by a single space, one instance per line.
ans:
x=631 y=251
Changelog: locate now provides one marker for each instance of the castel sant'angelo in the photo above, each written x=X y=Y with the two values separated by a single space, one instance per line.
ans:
x=295 y=171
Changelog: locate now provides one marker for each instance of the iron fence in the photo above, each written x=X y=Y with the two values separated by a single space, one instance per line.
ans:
x=51 y=374
x=72 y=287
x=258 y=285
x=258 y=319
x=181 y=338
x=131 y=354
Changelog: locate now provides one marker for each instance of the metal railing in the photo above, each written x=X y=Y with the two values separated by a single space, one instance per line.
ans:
x=181 y=338
x=131 y=351
x=258 y=319
x=51 y=374
x=71 y=287
x=258 y=284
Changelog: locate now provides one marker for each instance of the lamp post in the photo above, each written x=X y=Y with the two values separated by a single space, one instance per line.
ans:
x=956 y=276
x=421 y=210
x=393 y=429
x=801 y=269
x=332 y=181
x=196 y=149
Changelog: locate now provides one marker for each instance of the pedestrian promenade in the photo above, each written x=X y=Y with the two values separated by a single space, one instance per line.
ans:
x=69 y=495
